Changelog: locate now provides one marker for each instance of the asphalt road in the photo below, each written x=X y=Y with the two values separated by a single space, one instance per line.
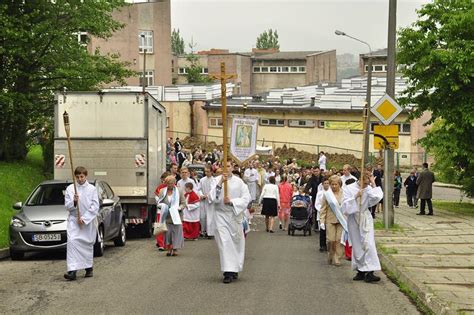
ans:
x=282 y=275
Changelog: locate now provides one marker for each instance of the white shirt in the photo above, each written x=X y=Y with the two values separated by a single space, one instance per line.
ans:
x=267 y=176
x=344 y=178
x=182 y=182
x=270 y=191
x=251 y=175
x=322 y=162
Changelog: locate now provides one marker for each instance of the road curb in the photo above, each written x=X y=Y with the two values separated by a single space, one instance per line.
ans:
x=445 y=185
x=425 y=296
x=4 y=253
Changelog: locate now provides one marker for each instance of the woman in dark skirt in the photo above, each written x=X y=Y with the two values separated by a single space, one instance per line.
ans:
x=270 y=200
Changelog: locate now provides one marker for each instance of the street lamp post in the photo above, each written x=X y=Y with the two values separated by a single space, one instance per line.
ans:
x=368 y=94
x=144 y=64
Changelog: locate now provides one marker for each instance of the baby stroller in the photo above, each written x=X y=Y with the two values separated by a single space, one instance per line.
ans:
x=300 y=215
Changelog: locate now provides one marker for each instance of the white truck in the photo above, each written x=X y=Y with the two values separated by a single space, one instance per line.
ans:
x=119 y=137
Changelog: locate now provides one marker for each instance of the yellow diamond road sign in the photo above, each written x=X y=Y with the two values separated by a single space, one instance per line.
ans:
x=386 y=109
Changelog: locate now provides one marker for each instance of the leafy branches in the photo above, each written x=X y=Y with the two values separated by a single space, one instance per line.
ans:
x=437 y=51
x=268 y=39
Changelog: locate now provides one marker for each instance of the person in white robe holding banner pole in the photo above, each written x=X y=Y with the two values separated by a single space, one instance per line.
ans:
x=82 y=231
x=361 y=226
x=229 y=215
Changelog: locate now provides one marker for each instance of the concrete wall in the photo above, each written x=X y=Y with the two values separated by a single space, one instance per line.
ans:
x=179 y=118
x=153 y=16
x=321 y=67
x=328 y=140
x=375 y=61
x=263 y=82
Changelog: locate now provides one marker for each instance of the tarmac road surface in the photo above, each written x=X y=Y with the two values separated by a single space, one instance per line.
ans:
x=282 y=275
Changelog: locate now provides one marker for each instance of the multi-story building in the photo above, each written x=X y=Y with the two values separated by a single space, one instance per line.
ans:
x=261 y=70
x=145 y=38
x=379 y=63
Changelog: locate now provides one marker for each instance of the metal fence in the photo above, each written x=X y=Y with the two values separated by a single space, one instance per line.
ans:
x=402 y=159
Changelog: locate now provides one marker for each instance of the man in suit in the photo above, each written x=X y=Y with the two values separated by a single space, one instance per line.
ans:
x=425 y=189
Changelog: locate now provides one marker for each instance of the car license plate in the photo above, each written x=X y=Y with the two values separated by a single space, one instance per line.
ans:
x=46 y=237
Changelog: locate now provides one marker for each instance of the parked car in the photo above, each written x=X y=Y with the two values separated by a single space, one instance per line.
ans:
x=199 y=168
x=41 y=223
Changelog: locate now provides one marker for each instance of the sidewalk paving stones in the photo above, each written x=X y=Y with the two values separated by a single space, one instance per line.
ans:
x=434 y=256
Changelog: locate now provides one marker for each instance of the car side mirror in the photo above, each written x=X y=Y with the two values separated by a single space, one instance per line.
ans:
x=107 y=203
x=18 y=205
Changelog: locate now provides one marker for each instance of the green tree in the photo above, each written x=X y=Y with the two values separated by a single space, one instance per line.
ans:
x=177 y=43
x=194 y=71
x=437 y=51
x=40 y=53
x=268 y=39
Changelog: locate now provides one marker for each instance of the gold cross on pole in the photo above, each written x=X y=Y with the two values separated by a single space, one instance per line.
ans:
x=223 y=77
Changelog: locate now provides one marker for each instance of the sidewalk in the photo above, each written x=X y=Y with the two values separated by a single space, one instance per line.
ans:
x=434 y=256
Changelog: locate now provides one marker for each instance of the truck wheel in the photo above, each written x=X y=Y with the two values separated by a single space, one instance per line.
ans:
x=99 y=245
x=122 y=236
x=16 y=255
x=148 y=225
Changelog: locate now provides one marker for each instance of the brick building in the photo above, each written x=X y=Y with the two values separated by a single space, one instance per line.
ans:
x=261 y=70
x=147 y=26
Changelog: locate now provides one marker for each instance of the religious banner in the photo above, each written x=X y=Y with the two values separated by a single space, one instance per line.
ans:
x=243 y=139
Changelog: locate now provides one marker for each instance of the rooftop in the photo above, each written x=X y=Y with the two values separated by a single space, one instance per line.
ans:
x=285 y=55
x=377 y=53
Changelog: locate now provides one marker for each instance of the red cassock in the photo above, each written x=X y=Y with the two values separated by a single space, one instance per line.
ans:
x=191 y=227
x=348 y=251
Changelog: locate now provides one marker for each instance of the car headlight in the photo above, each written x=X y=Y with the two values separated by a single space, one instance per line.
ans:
x=16 y=222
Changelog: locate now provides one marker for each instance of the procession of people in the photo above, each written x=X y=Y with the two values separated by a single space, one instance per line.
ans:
x=341 y=205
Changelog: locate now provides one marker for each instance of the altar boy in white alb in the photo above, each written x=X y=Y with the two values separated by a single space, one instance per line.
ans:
x=229 y=215
x=82 y=231
x=361 y=227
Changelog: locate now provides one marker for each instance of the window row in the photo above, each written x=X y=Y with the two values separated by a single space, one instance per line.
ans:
x=403 y=128
x=184 y=70
x=282 y=69
x=377 y=68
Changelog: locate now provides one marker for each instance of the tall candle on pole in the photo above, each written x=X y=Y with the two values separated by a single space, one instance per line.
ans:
x=67 y=127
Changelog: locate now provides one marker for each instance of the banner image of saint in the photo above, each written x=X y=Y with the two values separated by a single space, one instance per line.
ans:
x=243 y=136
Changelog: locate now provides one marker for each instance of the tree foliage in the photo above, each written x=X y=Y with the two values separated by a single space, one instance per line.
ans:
x=40 y=53
x=438 y=53
x=194 y=71
x=268 y=39
x=177 y=43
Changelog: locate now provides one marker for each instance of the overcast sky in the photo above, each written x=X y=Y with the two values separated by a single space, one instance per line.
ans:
x=301 y=24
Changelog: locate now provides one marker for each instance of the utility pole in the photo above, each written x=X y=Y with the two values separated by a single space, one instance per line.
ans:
x=389 y=214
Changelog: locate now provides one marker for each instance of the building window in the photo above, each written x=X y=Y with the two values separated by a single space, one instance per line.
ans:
x=302 y=69
x=376 y=68
x=285 y=69
x=145 y=41
x=264 y=69
x=272 y=122
x=320 y=123
x=273 y=69
x=256 y=69
x=149 y=77
x=215 y=122
x=294 y=69
x=301 y=123
x=204 y=70
x=182 y=70
x=82 y=38
x=405 y=128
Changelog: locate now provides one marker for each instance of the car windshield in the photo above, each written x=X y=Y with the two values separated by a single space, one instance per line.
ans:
x=46 y=195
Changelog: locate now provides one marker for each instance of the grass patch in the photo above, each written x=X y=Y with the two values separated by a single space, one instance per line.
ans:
x=464 y=208
x=379 y=225
x=17 y=181
x=387 y=250
x=420 y=305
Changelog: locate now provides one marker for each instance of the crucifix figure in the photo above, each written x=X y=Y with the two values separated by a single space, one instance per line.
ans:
x=223 y=77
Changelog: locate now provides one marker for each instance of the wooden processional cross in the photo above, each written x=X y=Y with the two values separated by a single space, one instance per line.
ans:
x=223 y=77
